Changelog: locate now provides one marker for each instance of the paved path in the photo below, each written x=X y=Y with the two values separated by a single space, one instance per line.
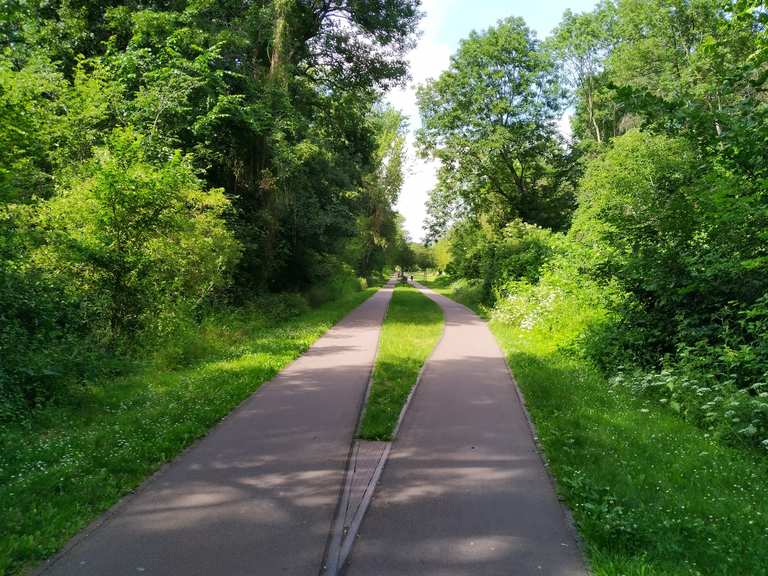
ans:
x=258 y=494
x=464 y=491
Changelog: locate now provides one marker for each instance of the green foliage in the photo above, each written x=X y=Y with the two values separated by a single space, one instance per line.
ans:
x=332 y=279
x=135 y=238
x=157 y=158
x=125 y=247
x=651 y=494
x=490 y=119
x=379 y=239
x=442 y=254
x=580 y=44
x=495 y=258
x=638 y=213
x=29 y=121
x=423 y=257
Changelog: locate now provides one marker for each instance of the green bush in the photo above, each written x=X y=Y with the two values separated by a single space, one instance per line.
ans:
x=563 y=305
x=516 y=252
x=469 y=291
x=135 y=237
x=44 y=337
x=331 y=279
x=520 y=253
x=123 y=254
x=723 y=388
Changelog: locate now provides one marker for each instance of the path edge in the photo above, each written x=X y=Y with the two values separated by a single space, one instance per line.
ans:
x=42 y=567
x=570 y=521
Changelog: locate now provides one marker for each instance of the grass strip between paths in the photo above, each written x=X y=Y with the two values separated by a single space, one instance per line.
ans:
x=69 y=462
x=652 y=494
x=412 y=328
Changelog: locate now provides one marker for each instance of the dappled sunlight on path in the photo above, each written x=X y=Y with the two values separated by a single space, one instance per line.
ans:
x=465 y=491
x=257 y=495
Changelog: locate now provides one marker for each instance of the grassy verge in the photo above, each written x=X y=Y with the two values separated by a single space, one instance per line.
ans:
x=411 y=329
x=651 y=494
x=71 y=461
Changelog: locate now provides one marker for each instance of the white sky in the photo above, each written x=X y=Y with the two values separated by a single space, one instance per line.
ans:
x=445 y=23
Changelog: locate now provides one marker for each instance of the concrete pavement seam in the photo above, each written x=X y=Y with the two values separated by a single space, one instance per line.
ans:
x=330 y=566
x=345 y=547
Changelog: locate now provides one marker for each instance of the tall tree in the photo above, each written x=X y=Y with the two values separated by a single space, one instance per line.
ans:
x=378 y=222
x=490 y=121
x=581 y=43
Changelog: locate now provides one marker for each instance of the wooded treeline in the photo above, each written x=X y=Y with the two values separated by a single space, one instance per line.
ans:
x=642 y=243
x=160 y=156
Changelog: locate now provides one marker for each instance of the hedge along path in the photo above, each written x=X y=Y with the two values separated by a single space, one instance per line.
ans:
x=258 y=494
x=465 y=490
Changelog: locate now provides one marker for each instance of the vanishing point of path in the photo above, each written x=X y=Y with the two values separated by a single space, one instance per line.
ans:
x=465 y=492
x=257 y=495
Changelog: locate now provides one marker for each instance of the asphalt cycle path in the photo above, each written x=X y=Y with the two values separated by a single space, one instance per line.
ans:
x=465 y=491
x=257 y=495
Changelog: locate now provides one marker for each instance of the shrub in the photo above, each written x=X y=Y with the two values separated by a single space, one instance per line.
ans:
x=520 y=252
x=44 y=337
x=469 y=291
x=330 y=278
x=126 y=248
x=562 y=306
x=137 y=239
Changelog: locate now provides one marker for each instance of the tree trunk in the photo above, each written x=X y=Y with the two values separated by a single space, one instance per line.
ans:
x=278 y=57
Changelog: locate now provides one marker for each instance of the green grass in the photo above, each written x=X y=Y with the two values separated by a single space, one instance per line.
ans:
x=651 y=494
x=69 y=462
x=412 y=327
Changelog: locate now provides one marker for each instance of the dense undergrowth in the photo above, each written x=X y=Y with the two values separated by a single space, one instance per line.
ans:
x=693 y=350
x=71 y=459
x=651 y=493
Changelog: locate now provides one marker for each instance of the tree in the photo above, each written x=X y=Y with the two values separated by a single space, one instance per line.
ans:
x=137 y=238
x=378 y=222
x=490 y=121
x=424 y=259
x=581 y=43
x=155 y=156
x=442 y=251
